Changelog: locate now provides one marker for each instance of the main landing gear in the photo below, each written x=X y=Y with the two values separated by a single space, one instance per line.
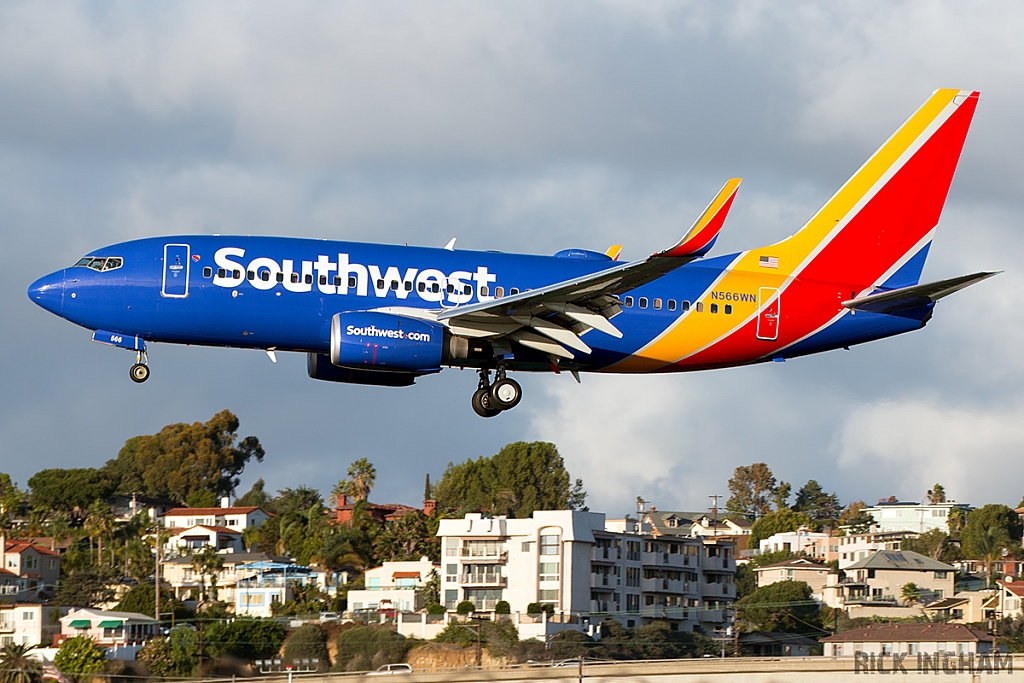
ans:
x=140 y=371
x=490 y=399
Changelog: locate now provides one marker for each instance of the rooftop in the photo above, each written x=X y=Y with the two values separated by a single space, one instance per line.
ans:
x=185 y=512
x=795 y=563
x=933 y=632
x=901 y=559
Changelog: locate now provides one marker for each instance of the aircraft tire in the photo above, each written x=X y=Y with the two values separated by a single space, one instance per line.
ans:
x=482 y=403
x=506 y=394
x=139 y=373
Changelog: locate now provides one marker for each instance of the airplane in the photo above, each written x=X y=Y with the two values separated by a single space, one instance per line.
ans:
x=386 y=315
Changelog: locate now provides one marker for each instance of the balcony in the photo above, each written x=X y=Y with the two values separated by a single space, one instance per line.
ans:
x=484 y=554
x=603 y=582
x=483 y=580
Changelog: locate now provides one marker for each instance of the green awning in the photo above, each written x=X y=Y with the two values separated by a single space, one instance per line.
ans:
x=113 y=623
x=81 y=623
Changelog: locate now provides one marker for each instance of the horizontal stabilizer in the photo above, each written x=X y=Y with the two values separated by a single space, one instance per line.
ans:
x=915 y=296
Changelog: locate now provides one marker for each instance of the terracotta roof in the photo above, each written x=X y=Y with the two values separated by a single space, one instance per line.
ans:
x=184 y=512
x=405 y=575
x=18 y=546
x=1015 y=587
x=940 y=633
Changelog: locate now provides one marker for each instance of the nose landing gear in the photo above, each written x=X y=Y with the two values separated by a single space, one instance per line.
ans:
x=490 y=399
x=140 y=371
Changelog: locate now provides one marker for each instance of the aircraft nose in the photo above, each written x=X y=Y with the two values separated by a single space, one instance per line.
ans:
x=48 y=292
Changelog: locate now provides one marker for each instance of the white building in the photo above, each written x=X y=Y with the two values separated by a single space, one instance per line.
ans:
x=570 y=561
x=801 y=540
x=189 y=540
x=123 y=634
x=26 y=624
x=394 y=586
x=235 y=518
x=913 y=517
x=268 y=584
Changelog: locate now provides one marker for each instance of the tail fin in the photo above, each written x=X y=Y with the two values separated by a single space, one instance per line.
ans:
x=702 y=234
x=876 y=230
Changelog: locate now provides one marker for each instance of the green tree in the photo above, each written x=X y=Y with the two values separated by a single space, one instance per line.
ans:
x=403 y=540
x=183 y=458
x=934 y=544
x=79 y=656
x=782 y=606
x=158 y=656
x=823 y=508
x=70 y=490
x=854 y=519
x=368 y=647
x=502 y=607
x=520 y=478
x=937 y=494
x=910 y=593
x=362 y=474
x=777 y=522
x=307 y=642
x=255 y=496
x=246 y=639
x=989 y=530
x=431 y=590
x=18 y=666
x=753 y=489
x=141 y=599
x=465 y=608
x=201 y=498
x=184 y=642
x=86 y=587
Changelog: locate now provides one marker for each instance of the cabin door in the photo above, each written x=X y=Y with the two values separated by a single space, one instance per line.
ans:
x=768 y=313
x=175 y=282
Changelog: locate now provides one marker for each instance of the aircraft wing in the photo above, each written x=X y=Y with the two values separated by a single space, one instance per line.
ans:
x=552 y=319
x=914 y=296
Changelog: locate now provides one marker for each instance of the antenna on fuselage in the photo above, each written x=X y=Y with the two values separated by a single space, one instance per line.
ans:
x=451 y=244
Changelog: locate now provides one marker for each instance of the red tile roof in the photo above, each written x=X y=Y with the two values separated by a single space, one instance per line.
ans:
x=1015 y=587
x=185 y=512
x=933 y=632
x=19 y=546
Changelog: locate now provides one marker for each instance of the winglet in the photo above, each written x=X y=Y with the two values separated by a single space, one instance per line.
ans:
x=702 y=235
x=613 y=252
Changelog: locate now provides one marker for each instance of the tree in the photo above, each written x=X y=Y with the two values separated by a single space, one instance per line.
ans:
x=70 y=490
x=158 y=656
x=403 y=540
x=933 y=544
x=362 y=474
x=776 y=522
x=184 y=458
x=141 y=599
x=781 y=606
x=823 y=508
x=753 y=489
x=99 y=522
x=502 y=607
x=86 y=587
x=520 y=478
x=989 y=530
x=18 y=666
x=246 y=639
x=937 y=494
x=366 y=647
x=781 y=495
x=854 y=519
x=208 y=562
x=308 y=642
x=255 y=496
x=910 y=593
x=79 y=656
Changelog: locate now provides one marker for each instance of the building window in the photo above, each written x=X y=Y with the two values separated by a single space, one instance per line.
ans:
x=451 y=597
x=549 y=545
x=549 y=571
x=913 y=648
x=451 y=573
x=527 y=546
x=548 y=595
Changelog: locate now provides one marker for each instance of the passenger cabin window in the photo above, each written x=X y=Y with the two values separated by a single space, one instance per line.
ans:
x=295 y=278
x=394 y=284
x=435 y=288
x=714 y=308
x=499 y=292
x=686 y=305
x=483 y=290
x=421 y=287
x=251 y=275
x=513 y=291
x=221 y=272
x=380 y=284
x=628 y=301
x=657 y=304
x=642 y=302
x=265 y=275
x=279 y=277
x=337 y=281
x=323 y=279
x=728 y=309
x=451 y=289
x=352 y=281
x=207 y=272
x=309 y=279
x=700 y=307
x=671 y=303
x=236 y=274
x=408 y=285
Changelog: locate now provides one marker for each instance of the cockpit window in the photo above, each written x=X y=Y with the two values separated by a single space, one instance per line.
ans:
x=96 y=263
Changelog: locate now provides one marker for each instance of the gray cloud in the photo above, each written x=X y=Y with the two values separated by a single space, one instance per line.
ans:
x=527 y=127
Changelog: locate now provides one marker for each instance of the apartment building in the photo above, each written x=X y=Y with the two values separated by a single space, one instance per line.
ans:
x=815 y=575
x=26 y=624
x=394 y=586
x=907 y=516
x=879 y=580
x=571 y=561
x=187 y=582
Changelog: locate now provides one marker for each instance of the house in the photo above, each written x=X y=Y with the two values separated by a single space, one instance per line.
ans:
x=236 y=518
x=573 y=562
x=394 y=586
x=1004 y=566
x=188 y=540
x=695 y=524
x=775 y=644
x=965 y=607
x=37 y=565
x=909 y=638
x=803 y=540
x=186 y=581
x=26 y=624
x=879 y=579
x=266 y=584
x=382 y=512
x=919 y=518
x=812 y=573
x=1009 y=598
x=854 y=547
x=122 y=633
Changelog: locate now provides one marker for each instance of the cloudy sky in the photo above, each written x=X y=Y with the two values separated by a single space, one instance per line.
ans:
x=527 y=126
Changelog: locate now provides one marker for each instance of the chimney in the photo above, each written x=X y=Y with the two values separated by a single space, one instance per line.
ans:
x=429 y=506
x=225 y=502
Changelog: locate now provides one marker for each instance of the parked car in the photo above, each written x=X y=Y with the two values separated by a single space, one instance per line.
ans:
x=326 y=617
x=389 y=669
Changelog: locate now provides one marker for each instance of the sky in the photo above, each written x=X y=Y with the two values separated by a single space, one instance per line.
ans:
x=529 y=127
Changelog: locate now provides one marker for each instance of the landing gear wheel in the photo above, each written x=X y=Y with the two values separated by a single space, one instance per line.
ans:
x=506 y=393
x=482 y=403
x=139 y=373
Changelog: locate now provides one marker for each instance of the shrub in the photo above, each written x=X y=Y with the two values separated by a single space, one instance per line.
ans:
x=79 y=656
x=465 y=607
x=364 y=647
x=436 y=608
x=538 y=607
x=246 y=639
x=308 y=642
x=158 y=656
x=502 y=607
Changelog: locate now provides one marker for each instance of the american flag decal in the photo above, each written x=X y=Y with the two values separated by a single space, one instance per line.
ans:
x=769 y=262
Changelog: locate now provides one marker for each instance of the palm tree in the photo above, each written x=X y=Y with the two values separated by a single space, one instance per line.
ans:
x=17 y=666
x=362 y=474
x=937 y=494
x=341 y=492
x=207 y=562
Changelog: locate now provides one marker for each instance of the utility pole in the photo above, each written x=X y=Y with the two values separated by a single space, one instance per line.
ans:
x=714 y=512
x=156 y=578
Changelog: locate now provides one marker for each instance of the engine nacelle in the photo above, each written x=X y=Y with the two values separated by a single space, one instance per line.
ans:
x=385 y=342
x=319 y=366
